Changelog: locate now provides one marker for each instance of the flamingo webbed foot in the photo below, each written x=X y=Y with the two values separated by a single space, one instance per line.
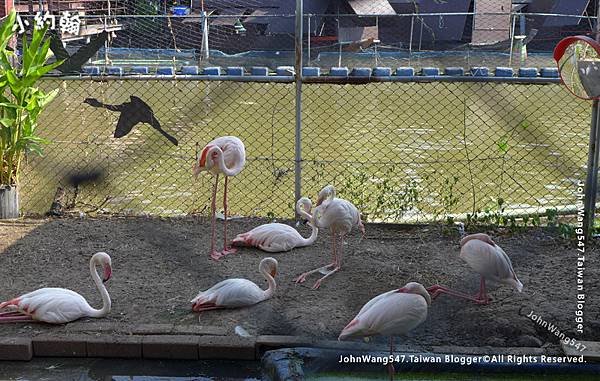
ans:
x=215 y=255
x=323 y=270
x=228 y=250
x=318 y=282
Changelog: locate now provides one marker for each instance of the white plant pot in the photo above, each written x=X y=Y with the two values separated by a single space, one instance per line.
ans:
x=9 y=202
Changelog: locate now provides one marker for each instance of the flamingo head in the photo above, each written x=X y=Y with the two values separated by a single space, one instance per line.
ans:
x=103 y=260
x=269 y=265
x=304 y=207
x=206 y=159
x=328 y=192
x=416 y=288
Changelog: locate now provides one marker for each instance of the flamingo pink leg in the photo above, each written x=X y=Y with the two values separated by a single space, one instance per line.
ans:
x=208 y=308
x=482 y=295
x=318 y=282
x=333 y=246
x=11 y=313
x=479 y=298
x=14 y=316
x=391 y=369
x=226 y=249
x=213 y=208
x=322 y=269
x=338 y=262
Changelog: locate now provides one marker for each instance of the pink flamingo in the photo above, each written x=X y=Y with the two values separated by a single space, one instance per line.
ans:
x=59 y=305
x=235 y=293
x=390 y=314
x=226 y=155
x=488 y=260
x=339 y=216
x=276 y=237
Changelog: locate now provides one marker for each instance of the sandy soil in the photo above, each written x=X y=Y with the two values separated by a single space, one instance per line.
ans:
x=161 y=264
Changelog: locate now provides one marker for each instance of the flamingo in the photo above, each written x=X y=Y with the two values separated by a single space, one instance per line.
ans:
x=276 y=237
x=392 y=313
x=339 y=216
x=489 y=261
x=235 y=293
x=59 y=305
x=226 y=155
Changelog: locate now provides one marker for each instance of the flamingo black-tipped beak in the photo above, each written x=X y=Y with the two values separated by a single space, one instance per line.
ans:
x=107 y=274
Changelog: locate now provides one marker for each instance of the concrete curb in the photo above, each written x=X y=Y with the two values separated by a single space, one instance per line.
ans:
x=166 y=341
x=15 y=348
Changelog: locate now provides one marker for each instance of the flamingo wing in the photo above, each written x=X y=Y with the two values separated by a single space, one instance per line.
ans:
x=490 y=261
x=390 y=314
x=338 y=214
x=51 y=305
x=234 y=151
x=230 y=293
x=274 y=237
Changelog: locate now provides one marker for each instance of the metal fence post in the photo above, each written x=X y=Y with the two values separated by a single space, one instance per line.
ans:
x=591 y=183
x=298 y=68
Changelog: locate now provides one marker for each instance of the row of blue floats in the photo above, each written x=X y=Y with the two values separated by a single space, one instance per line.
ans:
x=482 y=71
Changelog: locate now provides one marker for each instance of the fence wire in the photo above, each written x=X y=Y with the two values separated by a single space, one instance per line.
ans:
x=262 y=34
x=402 y=152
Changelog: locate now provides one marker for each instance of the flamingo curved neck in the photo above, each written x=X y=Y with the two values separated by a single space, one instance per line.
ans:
x=221 y=162
x=106 y=304
x=304 y=214
x=313 y=235
x=271 y=282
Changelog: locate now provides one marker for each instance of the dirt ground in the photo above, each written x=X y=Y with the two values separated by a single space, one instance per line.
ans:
x=159 y=265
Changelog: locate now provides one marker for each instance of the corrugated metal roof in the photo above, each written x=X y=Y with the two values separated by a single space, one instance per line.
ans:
x=226 y=20
x=287 y=24
x=372 y=7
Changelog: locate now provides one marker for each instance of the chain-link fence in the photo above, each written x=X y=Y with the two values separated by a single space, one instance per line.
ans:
x=401 y=151
x=336 y=33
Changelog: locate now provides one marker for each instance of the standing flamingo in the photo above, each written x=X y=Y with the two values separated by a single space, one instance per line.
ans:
x=59 y=305
x=391 y=314
x=226 y=155
x=234 y=293
x=276 y=237
x=339 y=216
x=489 y=261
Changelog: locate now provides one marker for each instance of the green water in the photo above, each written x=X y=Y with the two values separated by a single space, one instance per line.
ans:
x=400 y=151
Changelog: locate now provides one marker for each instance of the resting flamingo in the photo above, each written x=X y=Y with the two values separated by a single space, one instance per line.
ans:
x=390 y=314
x=226 y=155
x=276 y=237
x=235 y=293
x=59 y=305
x=489 y=261
x=339 y=216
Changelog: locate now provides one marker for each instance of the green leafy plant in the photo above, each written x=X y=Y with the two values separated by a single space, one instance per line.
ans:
x=380 y=198
x=20 y=101
x=448 y=198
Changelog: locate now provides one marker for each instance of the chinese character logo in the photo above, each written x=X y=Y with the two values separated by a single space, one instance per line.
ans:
x=69 y=23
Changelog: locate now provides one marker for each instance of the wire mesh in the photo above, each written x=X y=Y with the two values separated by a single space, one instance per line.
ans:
x=143 y=172
x=352 y=34
x=402 y=152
